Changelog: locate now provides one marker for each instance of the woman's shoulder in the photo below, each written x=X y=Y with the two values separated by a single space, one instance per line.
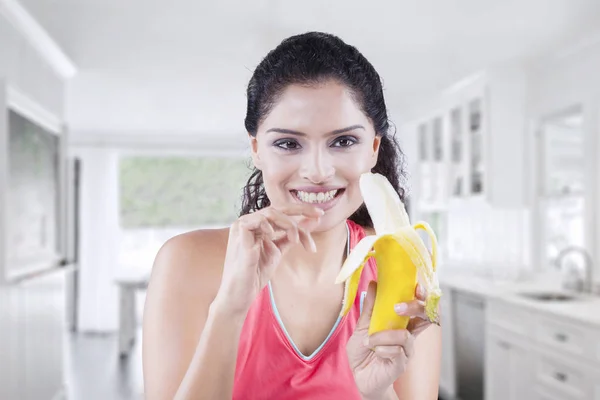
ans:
x=192 y=260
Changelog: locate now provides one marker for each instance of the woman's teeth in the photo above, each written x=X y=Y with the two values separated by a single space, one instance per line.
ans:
x=312 y=197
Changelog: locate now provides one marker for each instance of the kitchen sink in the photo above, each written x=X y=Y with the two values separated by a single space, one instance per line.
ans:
x=549 y=296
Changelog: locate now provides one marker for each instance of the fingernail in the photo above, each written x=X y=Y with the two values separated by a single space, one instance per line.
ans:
x=400 y=308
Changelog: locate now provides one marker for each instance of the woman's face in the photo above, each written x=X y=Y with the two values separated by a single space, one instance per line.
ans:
x=312 y=147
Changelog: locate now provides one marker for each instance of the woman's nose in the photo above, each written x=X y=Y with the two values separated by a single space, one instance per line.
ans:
x=317 y=167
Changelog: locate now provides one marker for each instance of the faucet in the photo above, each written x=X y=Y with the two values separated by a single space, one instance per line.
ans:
x=589 y=265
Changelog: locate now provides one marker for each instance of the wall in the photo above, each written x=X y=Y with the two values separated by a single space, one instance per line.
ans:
x=98 y=241
x=23 y=67
x=154 y=102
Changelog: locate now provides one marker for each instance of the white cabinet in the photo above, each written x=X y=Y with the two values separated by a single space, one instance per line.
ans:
x=507 y=368
x=451 y=146
x=42 y=329
x=32 y=329
x=537 y=355
x=473 y=142
x=447 y=370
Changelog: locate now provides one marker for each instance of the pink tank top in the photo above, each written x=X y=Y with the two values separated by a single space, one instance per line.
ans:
x=269 y=366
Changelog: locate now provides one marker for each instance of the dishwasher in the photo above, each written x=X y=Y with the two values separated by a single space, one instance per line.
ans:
x=469 y=339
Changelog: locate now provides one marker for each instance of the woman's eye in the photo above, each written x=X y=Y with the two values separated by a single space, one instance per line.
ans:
x=344 y=142
x=287 y=144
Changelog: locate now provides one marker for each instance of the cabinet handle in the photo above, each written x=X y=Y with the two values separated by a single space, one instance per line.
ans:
x=561 y=337
x=560 y=376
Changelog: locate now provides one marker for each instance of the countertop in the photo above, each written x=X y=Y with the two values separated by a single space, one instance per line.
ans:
x=584 y=309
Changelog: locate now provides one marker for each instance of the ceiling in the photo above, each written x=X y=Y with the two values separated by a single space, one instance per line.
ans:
x=184 y=64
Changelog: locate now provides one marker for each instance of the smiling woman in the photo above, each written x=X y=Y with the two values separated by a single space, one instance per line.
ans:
x=252 y=311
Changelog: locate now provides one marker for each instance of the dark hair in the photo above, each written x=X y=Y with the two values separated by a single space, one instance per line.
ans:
x=309 y=59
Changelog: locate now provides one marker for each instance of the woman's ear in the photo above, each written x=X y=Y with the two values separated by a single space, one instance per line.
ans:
x=376 y=146
x=254 y=151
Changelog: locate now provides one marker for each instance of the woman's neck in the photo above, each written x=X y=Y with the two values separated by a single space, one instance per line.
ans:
x=322 y=265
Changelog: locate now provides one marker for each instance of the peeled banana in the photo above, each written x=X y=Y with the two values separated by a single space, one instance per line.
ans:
x=402 y=258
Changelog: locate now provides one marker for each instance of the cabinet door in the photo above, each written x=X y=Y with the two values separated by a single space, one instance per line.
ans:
x=426 y=170
x=11 y=363
x=456 y=157
x=470 y=345
x=42 y=329
x=476 y=138
x=508 y=368
x=448 y=369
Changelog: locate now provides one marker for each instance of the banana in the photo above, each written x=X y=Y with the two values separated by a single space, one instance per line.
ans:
x=402 y=258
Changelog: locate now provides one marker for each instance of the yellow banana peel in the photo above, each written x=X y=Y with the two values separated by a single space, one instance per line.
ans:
x=402 y=258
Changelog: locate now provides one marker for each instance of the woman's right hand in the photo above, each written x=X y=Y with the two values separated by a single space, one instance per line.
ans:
x=256 y=244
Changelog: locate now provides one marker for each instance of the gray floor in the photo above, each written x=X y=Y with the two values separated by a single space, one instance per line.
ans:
x=94 y=370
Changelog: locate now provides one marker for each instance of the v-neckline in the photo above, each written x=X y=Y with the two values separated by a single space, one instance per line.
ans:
x=284 y=330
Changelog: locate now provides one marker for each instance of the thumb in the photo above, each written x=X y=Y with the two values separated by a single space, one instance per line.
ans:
x=365 y=317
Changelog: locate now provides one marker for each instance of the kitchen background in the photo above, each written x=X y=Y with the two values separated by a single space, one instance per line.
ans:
x=121 y=125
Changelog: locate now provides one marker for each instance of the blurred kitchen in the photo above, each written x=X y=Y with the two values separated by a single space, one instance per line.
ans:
x=121 y=125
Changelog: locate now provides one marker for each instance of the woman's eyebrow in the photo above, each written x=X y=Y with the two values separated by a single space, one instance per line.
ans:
x=298 y=133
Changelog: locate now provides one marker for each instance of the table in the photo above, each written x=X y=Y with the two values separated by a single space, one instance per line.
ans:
x=129 y=282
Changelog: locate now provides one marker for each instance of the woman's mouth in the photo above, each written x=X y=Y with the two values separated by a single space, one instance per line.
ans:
x=323 y=197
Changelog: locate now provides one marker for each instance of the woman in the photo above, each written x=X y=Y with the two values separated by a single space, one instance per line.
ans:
x=252 y=311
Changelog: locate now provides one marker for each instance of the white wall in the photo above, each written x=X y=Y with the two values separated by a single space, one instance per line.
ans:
x=26 y=69
x=157 y=102
x=98 y=241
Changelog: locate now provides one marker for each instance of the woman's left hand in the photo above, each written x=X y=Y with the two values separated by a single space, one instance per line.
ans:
x=377 y=361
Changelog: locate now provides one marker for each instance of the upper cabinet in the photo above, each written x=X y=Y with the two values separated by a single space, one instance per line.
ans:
x=472 y=143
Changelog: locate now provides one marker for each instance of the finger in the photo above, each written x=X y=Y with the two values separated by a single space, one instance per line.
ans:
x=265 y=228
x=247 y=227
x=415 y=308
x=394 y=337
x=305 y=238
x=420 y=292
x=365 y=317
x=281 y=221
x=417 y=326
x=389 y=352
x=269 y=250
x=389 y=337
x=301 y=209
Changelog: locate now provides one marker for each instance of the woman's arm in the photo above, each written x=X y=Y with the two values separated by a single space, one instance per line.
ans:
x=189 y=342
x=421 y=379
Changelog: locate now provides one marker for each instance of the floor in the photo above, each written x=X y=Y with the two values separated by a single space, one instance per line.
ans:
x=95 y=372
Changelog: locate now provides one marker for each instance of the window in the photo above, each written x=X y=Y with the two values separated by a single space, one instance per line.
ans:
x=161 y=197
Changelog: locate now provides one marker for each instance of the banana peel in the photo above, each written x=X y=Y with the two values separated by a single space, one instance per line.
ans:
x=402 y=258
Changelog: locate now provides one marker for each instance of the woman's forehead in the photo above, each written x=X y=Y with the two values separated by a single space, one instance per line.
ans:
x=321 y=108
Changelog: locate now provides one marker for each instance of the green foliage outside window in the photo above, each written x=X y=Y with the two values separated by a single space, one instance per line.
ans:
x=180 y=191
